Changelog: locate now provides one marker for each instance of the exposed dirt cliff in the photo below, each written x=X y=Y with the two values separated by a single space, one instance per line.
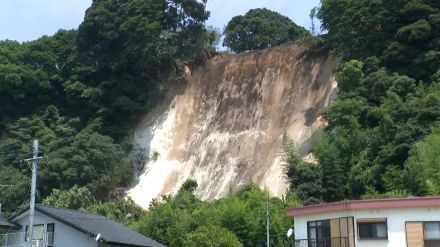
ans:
x=224 y=126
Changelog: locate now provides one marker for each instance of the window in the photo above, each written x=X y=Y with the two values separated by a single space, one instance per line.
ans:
x=432 y=230
x=38 y=232
x=319 y=233
x=372 y=229
x=432 y=233
x=50 y=234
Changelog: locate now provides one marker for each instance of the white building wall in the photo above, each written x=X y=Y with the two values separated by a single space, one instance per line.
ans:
x=396 y=219
x=64 y=235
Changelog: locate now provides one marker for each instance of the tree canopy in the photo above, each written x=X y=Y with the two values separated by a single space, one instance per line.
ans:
x=80 y=92
x=382 y=129
x=259 y=29
x=74 y=198
x=236 y=220
x=212 y=236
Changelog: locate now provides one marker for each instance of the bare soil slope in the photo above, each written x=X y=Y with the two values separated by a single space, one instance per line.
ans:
x=224 y=126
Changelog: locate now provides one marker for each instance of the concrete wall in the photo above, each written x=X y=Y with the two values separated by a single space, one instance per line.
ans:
x=64 y=236
x=396 y=219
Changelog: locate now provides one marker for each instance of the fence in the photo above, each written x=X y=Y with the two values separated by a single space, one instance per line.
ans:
x=326 y=242
x=17 y=239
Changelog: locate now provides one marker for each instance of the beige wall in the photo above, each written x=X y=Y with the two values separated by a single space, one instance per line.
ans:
x=396 y=222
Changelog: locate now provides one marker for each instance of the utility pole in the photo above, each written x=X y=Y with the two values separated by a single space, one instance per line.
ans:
x=34 y=159
x=267 y=220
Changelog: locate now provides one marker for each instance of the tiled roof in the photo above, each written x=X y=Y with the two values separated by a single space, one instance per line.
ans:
x=93 y=224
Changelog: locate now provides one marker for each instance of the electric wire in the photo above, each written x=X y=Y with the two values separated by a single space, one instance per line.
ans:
x=23 y=204
x=11 y=151
x=12 y=154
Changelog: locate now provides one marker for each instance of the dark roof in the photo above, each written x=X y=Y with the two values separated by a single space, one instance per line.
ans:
x=413 y=202
x=6 y=224
x=93 y=224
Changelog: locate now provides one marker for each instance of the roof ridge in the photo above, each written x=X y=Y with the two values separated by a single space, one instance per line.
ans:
x=72 y=210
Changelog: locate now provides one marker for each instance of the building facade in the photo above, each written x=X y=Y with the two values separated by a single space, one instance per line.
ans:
x=412 y=222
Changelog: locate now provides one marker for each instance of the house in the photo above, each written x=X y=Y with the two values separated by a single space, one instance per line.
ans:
x=6 y=226
x=409 y=222
x=58 y=227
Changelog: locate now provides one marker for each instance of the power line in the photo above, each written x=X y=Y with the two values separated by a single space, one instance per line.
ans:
x=12 y=154
x=19 y=209
x=11 y=151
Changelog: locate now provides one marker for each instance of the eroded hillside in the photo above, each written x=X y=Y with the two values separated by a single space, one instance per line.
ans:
x=223 y=127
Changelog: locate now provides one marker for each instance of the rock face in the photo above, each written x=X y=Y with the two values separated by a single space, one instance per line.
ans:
x=223 y=127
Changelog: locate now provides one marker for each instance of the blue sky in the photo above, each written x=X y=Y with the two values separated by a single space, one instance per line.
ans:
x=297 y=10
x=25 y=20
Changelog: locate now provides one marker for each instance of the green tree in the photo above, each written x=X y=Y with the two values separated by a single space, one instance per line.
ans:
x=388 y=93
x=122 y=210
x=80 y=91
x=32 y=74
x=329 y=159
x=129 y=48
x=182 y=220
x=400 y=32
x=305 y=178
x=358 y=28
x=212 y=236
x=15 y=196
x=169 y=220
x=86 y=158
x=259 y=29
x=424 y=155
x=372 y=194
x=72 y=156
x=74 y=198
x=392 y=179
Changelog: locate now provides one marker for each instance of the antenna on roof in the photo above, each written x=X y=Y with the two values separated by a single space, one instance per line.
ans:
x=98 y=237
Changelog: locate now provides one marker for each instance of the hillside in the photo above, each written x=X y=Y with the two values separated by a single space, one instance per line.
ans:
x=133 y=105
x=223 y=126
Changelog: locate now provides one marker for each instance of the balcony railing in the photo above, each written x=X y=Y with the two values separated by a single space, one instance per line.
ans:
x=12 y=239
x=326 y=242
x=17 y=239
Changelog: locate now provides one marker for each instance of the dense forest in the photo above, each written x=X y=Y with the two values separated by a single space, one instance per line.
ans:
x=382 y=136
x=81 y=91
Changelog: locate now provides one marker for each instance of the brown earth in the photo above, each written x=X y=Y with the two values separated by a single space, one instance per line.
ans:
x=223 y=127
